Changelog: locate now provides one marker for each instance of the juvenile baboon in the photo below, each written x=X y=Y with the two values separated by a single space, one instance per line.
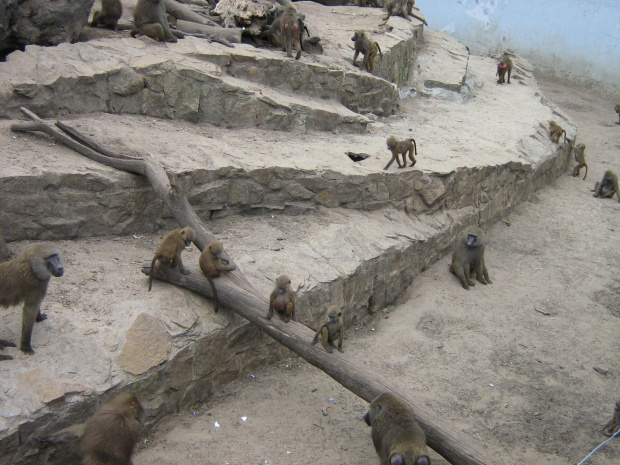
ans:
x=612 y=425
x=401 y=147
x=608 y=186
x=291 y=33
x=504 y=67
x=556 y=132
x=617 y=108
x=212 y=264
x=330 y=329
x=410 y=5
x=396 y=434
x=110 y=13
x=25 y=279
x=149 y=18
x=468 y=258
x=169 y=251
x=112 y=433
x=579 y=151
x=367 y=48
x=396 y=8
x=282 y=300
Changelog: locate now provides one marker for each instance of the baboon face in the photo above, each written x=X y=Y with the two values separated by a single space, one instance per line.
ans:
x=357 y=35
x=472 y=240
x=333 y=316
x=282 y=283
x=188 y=235
x=391 y=142
x=373 y=411
x=216 y=248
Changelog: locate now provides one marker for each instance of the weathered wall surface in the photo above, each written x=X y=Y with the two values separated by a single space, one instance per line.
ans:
x=572 y=36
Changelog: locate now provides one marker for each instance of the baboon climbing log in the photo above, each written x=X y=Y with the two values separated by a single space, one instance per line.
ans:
x=169 y=251
x=282 y=300
x=25 y=279
x=579 y=151
x=212 y=265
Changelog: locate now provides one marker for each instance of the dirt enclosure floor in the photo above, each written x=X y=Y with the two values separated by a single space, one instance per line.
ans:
x=512 y=365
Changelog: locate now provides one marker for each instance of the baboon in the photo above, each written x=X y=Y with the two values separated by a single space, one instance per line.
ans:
x=149 y=18
x=169 y=251
x=212 y=264
x=396 y=8
x=396 y=434
x=579 y=151
x=110 y=13
x=367 y=48
x=608 y=186
x=612 y=425
x=25 y=279
x=410 y=5
x=504 y=67
x=468 y=258
x=556 y=132
x=283 y=300
x=291 y=32
x=617 y=108
x=401 y=147
x=330 y=329
x=112 y=433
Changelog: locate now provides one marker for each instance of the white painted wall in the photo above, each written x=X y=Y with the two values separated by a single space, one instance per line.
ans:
x=577 y=36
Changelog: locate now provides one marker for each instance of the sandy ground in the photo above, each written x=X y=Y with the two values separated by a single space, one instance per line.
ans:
x=511 y=364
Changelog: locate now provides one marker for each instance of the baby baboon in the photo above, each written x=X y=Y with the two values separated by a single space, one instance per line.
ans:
x=612 y=425
x=579 y=151
x=401 y=147
x=25 y=279
x=367 y=48
x=212 y=264
x=282 y=300
x=111 y=434
x=291 y=32
x=330 y=329
x=149 y=18
x=111 y=11
x=468 y=258
x=556 y=132
x=617 y=108
x=169 y=251
x=504 y=67
x=608 y=186
x=396 y=434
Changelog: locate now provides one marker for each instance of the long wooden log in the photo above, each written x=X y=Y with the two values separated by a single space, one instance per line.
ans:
x=231 y=34
x=235 y=293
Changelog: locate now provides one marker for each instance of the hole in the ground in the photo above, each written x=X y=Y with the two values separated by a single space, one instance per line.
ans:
x=356 y=157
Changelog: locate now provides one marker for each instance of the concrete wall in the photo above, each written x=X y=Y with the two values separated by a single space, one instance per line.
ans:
x=577 y=36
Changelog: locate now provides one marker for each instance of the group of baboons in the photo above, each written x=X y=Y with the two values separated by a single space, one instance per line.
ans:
x=111 y=434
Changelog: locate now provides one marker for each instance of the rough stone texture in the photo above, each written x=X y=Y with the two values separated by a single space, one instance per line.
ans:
x=41 y=22
x=147 y=346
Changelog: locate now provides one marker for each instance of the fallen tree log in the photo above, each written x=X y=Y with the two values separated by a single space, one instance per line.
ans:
x=231 y=34
x=239 y=296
